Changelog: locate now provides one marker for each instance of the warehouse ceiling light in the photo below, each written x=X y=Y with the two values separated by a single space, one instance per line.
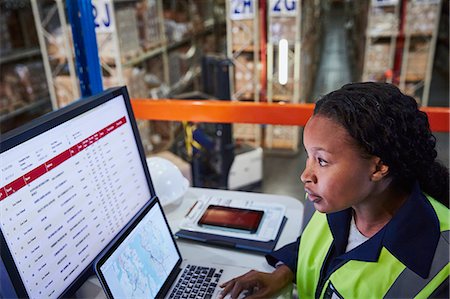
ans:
x=283 y=61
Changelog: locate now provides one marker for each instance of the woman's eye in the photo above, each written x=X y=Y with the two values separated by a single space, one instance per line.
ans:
x=322 y=162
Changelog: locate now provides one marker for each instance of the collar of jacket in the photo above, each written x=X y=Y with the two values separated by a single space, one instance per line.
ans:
x=411 y=236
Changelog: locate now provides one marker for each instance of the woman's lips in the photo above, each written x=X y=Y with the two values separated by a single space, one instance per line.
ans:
x=313 y=197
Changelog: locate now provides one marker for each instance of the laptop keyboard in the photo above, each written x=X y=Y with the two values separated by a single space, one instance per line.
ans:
x=196 y=282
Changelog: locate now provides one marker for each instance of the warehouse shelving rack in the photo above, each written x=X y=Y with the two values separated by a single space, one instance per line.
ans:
x=356 y=13
x=284 y=44
x=24 y=93
x=116 y=61
x=58 y=62
x=149 y=69
x=399 y=49
x=381 y=40
x=419 y=47
x=243 y=49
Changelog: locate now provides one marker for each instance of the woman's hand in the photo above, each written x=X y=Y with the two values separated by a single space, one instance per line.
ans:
x=258 y=284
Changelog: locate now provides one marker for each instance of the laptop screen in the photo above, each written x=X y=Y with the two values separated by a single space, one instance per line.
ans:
x=69 y=183
x=142 y=260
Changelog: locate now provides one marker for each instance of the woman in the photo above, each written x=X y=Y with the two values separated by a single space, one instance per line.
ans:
x=381 y=226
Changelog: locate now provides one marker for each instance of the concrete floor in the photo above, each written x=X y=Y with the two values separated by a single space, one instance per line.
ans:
x=282 y=173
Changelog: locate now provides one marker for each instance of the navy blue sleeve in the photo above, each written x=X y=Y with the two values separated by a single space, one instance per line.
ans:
x=287 y=254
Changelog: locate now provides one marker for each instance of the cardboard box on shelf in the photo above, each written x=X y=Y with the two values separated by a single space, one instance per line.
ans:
x=417 y=61
x=242 y=34
x=417 y=66
x=63 y=90
x=377 y=57
x=127 y=34
x=383 y=21
x=134 y=80
x=21 y=85
x=282 y=137
x=248 y=133
x=282 y=28
x=426 y=12
x=244 y=74
x=149 y=25
x=55 y=46
x=283 y=92
x=10 y=100
x=5 y=39
x=31 y=80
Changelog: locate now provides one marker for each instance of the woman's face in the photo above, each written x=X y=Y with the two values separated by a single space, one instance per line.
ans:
x=336 y=177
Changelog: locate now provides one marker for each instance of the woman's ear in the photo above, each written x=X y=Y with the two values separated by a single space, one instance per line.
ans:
x=380 y=170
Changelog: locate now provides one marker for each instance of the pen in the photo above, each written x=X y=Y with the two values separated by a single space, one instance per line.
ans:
x=190 y=210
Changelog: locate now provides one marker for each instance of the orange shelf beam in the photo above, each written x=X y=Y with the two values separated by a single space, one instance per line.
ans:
x=249 y=112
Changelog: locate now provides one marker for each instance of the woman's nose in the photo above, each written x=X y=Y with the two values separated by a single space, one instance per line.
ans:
x=307 y=175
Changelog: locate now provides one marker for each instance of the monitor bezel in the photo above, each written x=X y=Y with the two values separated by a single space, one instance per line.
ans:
x=44 y=123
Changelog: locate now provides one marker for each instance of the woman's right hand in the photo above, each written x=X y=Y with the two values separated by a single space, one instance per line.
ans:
x=258 y=284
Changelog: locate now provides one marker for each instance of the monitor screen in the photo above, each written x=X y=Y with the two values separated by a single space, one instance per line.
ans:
x=69 y=183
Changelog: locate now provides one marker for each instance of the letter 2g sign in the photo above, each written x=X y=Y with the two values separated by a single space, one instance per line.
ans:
x=281 y=8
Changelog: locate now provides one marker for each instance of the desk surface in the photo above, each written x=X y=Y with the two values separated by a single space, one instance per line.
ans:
x=190 y=249
x=194 y=251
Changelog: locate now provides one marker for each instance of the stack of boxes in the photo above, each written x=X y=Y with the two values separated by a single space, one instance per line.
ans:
x=257 y=78
x=283 y=27
x=381 y=36
x=243 y=38
x=356 y=20
x=311 y=40
x=401 y=52
x=383 y=21
x=416 y=65
x=5 y=38
x=420 y=41
x=244 y=69
x=149 y=24
x=377 y=61
x=425 y=11
x=22 y=76
x=21 y=85
x=284 y=24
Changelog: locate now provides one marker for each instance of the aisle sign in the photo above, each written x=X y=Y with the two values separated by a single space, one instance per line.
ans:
x=242 y=9
x=426 y=1
x=384 y=2
x=283 y=8
x=102 y=11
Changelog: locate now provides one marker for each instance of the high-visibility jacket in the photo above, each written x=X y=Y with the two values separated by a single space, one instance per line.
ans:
x=386 y=276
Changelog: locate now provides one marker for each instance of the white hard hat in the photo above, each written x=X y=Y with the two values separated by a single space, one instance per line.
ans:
x=170 y=185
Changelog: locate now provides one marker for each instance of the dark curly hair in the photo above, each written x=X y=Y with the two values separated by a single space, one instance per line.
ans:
x=388 y=124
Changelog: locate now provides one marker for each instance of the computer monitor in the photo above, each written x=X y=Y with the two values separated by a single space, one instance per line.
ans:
x=69 y=183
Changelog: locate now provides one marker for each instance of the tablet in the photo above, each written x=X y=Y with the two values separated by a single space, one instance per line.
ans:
x=241 y=219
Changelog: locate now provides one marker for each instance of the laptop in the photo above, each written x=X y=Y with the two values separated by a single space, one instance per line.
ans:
x=145 y=262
